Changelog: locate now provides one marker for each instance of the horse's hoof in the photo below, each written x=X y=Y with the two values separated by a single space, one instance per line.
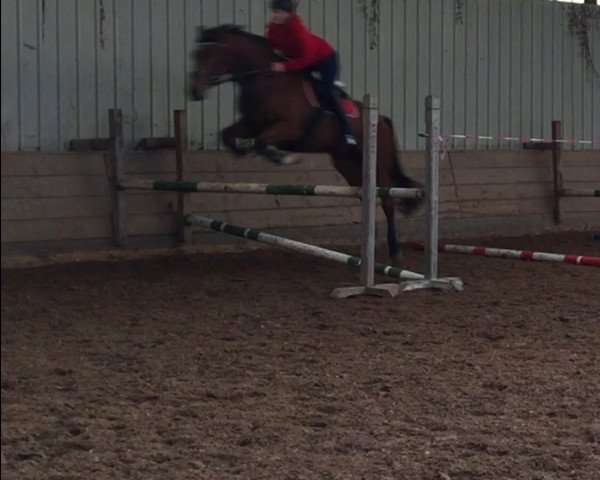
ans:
x=290 y=159
x=284 y=159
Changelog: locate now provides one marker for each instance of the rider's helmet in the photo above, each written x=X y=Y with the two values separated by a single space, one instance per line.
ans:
x=285 y=5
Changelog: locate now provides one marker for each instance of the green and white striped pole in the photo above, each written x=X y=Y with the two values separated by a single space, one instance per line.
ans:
x=295 y=246
x=269 y=189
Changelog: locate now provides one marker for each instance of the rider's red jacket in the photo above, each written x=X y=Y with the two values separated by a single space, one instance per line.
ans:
x=296 y=42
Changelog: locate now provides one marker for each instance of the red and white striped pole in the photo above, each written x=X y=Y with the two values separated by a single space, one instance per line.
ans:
x=572 y=141
x=518 y=254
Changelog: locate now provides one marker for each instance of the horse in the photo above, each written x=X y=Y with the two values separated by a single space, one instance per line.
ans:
x=277 y=116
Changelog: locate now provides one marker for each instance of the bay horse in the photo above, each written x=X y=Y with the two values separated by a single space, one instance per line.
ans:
x=276 y=115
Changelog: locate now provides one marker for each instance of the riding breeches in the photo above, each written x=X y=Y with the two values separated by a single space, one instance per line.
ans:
x=328 y=70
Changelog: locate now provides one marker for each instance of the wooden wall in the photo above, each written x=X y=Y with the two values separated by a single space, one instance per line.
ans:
x=51 y=199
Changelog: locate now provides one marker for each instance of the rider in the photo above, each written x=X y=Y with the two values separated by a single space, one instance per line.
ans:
x=304 y=50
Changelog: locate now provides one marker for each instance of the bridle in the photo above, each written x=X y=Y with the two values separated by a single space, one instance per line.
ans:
x=213 y=80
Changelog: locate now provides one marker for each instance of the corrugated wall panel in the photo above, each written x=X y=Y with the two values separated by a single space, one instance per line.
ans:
x=87 y=73
x=595 y=87
x=536 y=79
x=483 y=61
x=68 y=105
x=124 y=66
x=547 y=67
x=193 y=18
x=211 y=125
x=49 y=116
x=527 y=62
x=501 y=67
x=9 y=73
x=411 y=110
x=159 y=78
x=569 y=65
x=27 y=49
x=141 y=86
x=469 y=76
x=105 y=63
x=447 y=67
x=385 y=87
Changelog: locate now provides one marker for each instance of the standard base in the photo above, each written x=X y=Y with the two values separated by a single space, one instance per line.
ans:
x=381 y=290
x=448 y=283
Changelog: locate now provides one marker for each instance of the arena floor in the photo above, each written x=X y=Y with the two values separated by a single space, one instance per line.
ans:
x=239 y=365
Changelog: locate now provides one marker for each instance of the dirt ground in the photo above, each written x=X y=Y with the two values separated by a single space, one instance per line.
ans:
x=239 y=365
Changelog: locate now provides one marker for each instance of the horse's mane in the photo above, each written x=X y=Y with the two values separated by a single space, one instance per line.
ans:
x=215 y=34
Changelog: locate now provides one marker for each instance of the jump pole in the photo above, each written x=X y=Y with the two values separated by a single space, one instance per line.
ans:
x=515 y=254
x=269 y=189
x=300 y=247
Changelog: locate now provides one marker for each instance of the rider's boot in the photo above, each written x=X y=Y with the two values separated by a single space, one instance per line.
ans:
x=339 y=112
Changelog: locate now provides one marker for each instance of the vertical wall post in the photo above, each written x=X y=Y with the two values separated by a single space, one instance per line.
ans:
x=369 y=185
x=432 y=119
x=557 y=172
x=184 y=230
x=117 y=173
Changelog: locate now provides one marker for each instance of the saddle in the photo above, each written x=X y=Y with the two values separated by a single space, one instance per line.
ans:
x=315 y=94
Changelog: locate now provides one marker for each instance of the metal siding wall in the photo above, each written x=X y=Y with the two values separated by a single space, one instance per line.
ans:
x=49 y=96
x=492 y=78
x=595 y=87
x=9 y=72
x=501 y=67
x=27 y=49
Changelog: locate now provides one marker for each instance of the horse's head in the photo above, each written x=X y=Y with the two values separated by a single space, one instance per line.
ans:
x=226 y=53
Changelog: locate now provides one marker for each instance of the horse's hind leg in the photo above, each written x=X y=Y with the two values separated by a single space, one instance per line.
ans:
x=350 y=168
x=394 y=248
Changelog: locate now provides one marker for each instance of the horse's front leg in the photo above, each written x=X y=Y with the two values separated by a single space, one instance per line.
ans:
x=276 y=135
x=238 y=138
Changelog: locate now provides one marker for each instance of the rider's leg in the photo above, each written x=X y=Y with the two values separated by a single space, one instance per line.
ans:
x=328 y=70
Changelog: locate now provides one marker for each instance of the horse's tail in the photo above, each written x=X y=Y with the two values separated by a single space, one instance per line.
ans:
x=408 y=205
